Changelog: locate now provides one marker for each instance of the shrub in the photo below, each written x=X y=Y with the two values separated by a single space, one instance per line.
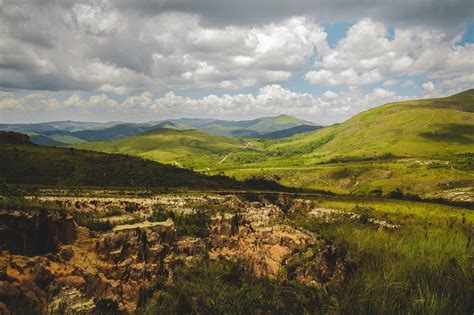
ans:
x=365 y=213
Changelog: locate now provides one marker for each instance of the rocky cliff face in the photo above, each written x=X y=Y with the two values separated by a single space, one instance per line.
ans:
x=35 y=232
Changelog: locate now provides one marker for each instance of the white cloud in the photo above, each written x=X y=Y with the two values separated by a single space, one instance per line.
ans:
x=120 y=90
x=97 y=46
x=369 y=54
x=330 y=95
x=269 y=101
x=429 y=86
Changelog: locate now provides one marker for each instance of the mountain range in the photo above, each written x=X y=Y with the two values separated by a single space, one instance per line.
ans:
x=61 y=133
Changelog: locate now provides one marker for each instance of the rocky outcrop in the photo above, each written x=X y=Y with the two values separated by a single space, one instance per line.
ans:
x=35 y=232
x=145 y=241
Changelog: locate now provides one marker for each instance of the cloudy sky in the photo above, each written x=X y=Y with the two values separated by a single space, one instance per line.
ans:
x=143 y=60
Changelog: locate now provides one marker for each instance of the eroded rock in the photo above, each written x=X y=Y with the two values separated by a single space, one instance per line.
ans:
x=35 y=232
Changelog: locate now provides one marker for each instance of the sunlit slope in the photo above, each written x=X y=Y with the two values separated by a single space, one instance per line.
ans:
x=187 y=148
x=421 y=128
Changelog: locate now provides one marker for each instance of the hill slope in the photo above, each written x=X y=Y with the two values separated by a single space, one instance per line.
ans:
x=188 y=148
x=420 y=128
x=289 y=132
x=253 y=128
x=22 y=162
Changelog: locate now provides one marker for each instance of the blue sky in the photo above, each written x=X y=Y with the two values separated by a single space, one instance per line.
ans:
x=323 y=61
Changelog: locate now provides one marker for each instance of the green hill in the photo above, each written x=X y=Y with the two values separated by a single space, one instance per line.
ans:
x=187 y=148
x=22 y=162
x=423 y=147
x=421 y=128
x=252 y=128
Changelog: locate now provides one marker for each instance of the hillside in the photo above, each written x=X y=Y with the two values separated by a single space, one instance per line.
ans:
x=22 y=162
x=289 y=132
x=422 y=147
x=187 y=148
x=420 y=128
x=253 y=128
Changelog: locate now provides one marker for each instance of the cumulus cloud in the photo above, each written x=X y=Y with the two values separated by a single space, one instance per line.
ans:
x=270 y=100
x=368 y=54
x=432 y=13
x=429 y=86
x=95 y=45
x=114 y=57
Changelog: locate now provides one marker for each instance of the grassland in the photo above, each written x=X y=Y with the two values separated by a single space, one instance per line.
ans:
x=23 y=163
x=425 y=267
x=420 y=146
x=186 y=148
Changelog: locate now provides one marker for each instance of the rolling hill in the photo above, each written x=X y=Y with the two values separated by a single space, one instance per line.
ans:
x=252 y=128
x=22 y=162
x=62 y=133
x=425 y=128
x=430 y=128
x=187 y=148
x=422 y=147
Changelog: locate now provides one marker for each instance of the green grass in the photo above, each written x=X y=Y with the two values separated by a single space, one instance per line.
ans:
x=188 y=148
x=420 y=146
x=369 y=177
x=230 y=288
x=421 y=268
x=67 y=167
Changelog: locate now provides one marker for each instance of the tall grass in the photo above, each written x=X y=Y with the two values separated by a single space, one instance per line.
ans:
x=423 y=267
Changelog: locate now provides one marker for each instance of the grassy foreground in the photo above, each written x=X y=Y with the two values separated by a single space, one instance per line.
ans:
x=424 y=267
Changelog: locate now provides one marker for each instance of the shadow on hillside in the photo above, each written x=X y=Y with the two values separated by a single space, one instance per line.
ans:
x=451 y=133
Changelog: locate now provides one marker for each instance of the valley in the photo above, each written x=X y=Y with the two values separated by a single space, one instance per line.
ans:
x=373 y=215
x=376 y=151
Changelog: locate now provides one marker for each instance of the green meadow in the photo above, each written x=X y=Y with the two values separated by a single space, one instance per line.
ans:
x=420 y=146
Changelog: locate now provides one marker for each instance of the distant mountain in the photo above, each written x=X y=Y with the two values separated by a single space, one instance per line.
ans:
x=62 y=137
x=58 y=133
x=114 y=132
x=252 y=128
x=57 y=126
x=289 y=132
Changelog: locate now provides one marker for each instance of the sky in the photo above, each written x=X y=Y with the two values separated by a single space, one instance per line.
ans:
x=149 y=60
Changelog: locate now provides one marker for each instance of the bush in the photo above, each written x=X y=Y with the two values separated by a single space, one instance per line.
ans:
x=365 y=213
x=194 y=224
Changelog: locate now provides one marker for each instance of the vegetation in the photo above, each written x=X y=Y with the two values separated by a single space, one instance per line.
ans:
x=422 y=267
x=25 y=163
x=230 y=288
x=420 y=146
